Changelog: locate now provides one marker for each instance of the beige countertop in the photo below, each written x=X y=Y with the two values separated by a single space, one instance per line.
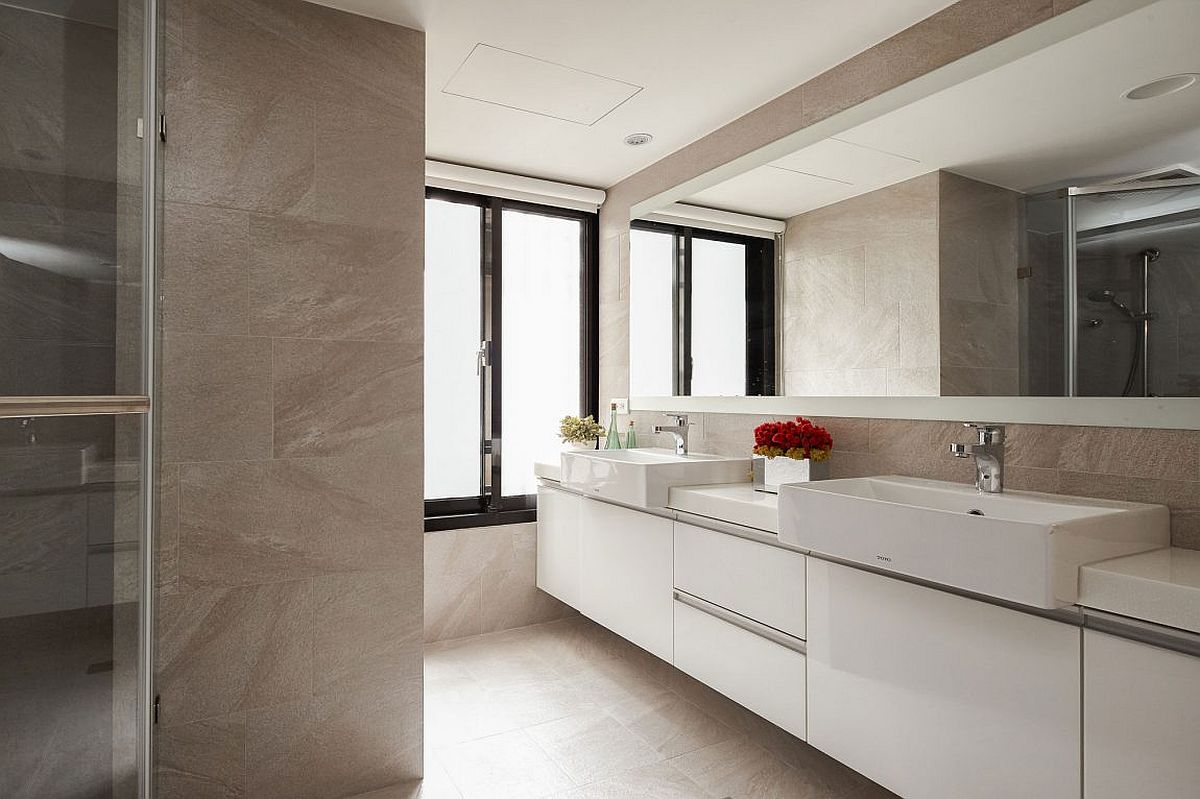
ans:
x=737 y=503
x=1160 y=586
x=548 y=470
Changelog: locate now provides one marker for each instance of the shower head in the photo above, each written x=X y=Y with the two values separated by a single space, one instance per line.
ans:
x=1151 y=254
x=1107 y=295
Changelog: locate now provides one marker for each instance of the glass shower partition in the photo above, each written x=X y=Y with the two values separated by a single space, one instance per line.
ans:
x=1132 y=256
x=77 y=218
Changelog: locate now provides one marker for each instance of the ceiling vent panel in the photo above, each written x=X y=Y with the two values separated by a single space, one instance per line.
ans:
x=524 y=83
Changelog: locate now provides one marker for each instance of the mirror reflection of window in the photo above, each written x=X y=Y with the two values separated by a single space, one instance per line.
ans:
x=718 y=322
x=701 y=312
x=651 y=313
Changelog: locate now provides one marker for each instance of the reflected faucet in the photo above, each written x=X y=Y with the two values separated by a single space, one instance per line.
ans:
x=679 y=430
x=988 y=452
x=28 y=431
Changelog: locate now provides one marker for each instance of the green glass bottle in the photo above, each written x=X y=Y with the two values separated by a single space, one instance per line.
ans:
x=613 y=441
x=631 y=437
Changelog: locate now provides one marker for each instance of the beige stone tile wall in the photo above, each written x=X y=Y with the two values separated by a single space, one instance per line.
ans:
x=860 y=306
x=482 y=580
x=1159 y=466
x=291 y=533
x=979 y=251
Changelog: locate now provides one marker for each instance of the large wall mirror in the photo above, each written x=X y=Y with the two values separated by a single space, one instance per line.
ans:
x=1032 y=231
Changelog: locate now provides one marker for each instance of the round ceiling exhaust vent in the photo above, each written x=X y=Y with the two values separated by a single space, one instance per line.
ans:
x=638 y=139
x=1162 y=86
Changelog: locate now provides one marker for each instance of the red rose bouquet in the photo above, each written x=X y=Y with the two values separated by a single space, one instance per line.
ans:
x=799 y=440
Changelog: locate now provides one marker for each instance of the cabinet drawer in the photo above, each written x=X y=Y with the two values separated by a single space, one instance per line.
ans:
x=762 y=582
x=758 y=673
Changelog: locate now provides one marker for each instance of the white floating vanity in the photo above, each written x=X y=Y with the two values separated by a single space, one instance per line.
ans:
x=973 y=657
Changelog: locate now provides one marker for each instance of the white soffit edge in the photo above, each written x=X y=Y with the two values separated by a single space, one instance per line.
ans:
x=511 y=187
x=723 y=221
x=1170 y=413
x=515 y=80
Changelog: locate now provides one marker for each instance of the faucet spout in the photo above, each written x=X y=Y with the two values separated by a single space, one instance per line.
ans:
x=988 y=452
x=679 y=431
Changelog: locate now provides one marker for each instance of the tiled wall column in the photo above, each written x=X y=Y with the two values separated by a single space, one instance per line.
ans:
x=290 y=542
x=482 y=580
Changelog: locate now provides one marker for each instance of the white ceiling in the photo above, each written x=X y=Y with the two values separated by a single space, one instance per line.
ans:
x=698 y=63
x=1055 y=117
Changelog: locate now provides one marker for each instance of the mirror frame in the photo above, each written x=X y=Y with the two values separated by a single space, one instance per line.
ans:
x=1154 y=412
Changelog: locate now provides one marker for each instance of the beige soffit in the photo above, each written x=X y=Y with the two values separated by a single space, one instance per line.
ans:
x=1032 y=39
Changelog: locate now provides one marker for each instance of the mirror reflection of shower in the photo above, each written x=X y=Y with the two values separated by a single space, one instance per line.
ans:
x=1140 y=360
x=1110 y=295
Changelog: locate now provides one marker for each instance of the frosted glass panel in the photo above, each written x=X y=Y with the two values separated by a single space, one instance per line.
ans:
x=452 y=337
x=651 y=335
x=718 y=318
x=540 y=341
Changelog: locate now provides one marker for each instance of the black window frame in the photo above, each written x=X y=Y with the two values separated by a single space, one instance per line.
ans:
x=760 y=306
x=490 y=506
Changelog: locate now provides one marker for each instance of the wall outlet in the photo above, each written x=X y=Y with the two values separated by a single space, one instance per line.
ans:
x=622 y=404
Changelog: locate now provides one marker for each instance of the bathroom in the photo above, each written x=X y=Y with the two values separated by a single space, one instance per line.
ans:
x=295 y=298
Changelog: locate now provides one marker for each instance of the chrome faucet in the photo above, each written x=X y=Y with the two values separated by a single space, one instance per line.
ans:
x=988 y=453
x=679 y=430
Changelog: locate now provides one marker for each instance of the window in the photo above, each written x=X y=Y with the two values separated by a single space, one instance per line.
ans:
x=510 y=348
x=701 y=312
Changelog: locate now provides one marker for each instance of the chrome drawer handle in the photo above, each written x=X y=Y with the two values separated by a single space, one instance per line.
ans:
x=741 y=622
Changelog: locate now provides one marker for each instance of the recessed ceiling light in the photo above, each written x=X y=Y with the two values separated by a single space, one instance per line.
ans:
x=1157 y=88
x=638 y=139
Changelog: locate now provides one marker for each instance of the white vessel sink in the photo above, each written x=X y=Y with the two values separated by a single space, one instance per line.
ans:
x=644 y=477
x=1019 y=546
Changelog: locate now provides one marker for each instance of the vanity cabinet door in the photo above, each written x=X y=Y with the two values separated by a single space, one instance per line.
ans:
x=1141 y=720
x=625 y=574
x=558 y=544
x=940 y=697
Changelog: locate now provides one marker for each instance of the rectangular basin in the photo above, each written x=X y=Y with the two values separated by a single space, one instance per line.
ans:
x=644 y=477
x=1020 y=546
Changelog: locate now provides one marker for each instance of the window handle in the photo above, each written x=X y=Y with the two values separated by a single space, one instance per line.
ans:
x=483 y=357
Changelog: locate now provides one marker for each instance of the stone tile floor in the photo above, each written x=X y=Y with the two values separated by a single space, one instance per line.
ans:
x=571 y=711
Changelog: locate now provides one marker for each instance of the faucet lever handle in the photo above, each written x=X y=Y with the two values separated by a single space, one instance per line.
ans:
x=680 y=419
x=988 y=433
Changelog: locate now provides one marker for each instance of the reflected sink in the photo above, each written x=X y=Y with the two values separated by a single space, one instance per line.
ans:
x=643 y=477
x=44 y=467
x=1019 y=545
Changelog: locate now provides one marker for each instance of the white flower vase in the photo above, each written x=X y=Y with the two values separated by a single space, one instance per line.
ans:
x=771 y=473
